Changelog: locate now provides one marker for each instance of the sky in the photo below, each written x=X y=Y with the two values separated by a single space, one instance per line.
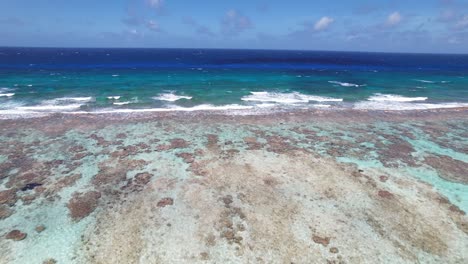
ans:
x=434 y=26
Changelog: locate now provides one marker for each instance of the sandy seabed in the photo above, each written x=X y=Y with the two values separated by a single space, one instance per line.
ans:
x=295 y=187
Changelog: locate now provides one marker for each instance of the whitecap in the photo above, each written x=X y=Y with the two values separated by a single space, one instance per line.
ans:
x=424 y=81
x=395 y=98
x=113 y=97
x=345 y=84
x=203 y=107
x=171 y=97
x=286 y=98
x=121 y=103
x=6 y=94
x=50 y=107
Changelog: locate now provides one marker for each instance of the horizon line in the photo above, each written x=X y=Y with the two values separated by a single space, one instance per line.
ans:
x=247 y=49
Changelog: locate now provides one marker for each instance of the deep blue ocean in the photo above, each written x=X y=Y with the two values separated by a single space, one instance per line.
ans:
x=94 y=80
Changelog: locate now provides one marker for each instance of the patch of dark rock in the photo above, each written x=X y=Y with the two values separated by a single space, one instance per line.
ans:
x=324 y=241
x=30 y=186
x=334 y=250
x=83 y=204
x=16 y=235
x=165 y=202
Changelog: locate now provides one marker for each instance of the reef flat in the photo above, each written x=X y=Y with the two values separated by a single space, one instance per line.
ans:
x=312 y=186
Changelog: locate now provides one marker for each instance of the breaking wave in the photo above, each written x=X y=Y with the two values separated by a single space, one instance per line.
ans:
x=287 y=98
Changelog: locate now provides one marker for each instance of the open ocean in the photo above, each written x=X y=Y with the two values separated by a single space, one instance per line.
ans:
x=111 y=80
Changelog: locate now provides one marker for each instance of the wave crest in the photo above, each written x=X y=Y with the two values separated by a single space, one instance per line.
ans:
x=287 y=98
x=171 y=97
x=394 y=98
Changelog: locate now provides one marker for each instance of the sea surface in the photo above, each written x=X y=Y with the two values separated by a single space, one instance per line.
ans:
x=267 y=175
x=36 y=80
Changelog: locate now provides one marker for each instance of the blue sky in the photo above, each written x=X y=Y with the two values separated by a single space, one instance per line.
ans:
x=362 y=25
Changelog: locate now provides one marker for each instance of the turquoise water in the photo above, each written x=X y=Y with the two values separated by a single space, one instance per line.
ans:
x=61 y=80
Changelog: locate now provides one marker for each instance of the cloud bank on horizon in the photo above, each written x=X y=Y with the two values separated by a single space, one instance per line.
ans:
x=361 y=25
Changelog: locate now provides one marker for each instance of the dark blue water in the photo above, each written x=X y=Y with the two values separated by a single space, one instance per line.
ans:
x=33 y=79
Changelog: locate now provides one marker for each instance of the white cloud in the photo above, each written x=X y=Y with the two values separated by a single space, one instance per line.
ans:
x=394 y=19
x=153 y=25
x=323 y=23
x=156 y=4
x=463 y=22
x=234 y=22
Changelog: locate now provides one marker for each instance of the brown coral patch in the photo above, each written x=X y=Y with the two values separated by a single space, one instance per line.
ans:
x=198 y=168
x=399 y=151
x=143 y=178
x=386 y=194
x=324 y=241
x=165 y=202
x=212 y=141
x=448 y=168
x=187 y=157
x=5 y=212
x=16 y=235
x=100 y=140
x=174 y=144
x=252 y=143
x=279 y=144
x=75 y=149
x=8 y=197
x=83 y=204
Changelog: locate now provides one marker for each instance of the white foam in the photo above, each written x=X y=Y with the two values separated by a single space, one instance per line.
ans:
x=115 y=75
x=403 y=106
x=49 y=107
x=170 y=97
x=71 y=99
x=204 y=107
x=6 y=94
x=286 y=98
x=121 y=103
x=5 y=89
x=424 y=81
x=394 y=98
x=113 y=97
x=322 y=105
x=345 y=84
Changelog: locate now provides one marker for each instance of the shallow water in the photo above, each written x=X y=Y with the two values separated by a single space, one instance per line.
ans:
x=337 y=186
